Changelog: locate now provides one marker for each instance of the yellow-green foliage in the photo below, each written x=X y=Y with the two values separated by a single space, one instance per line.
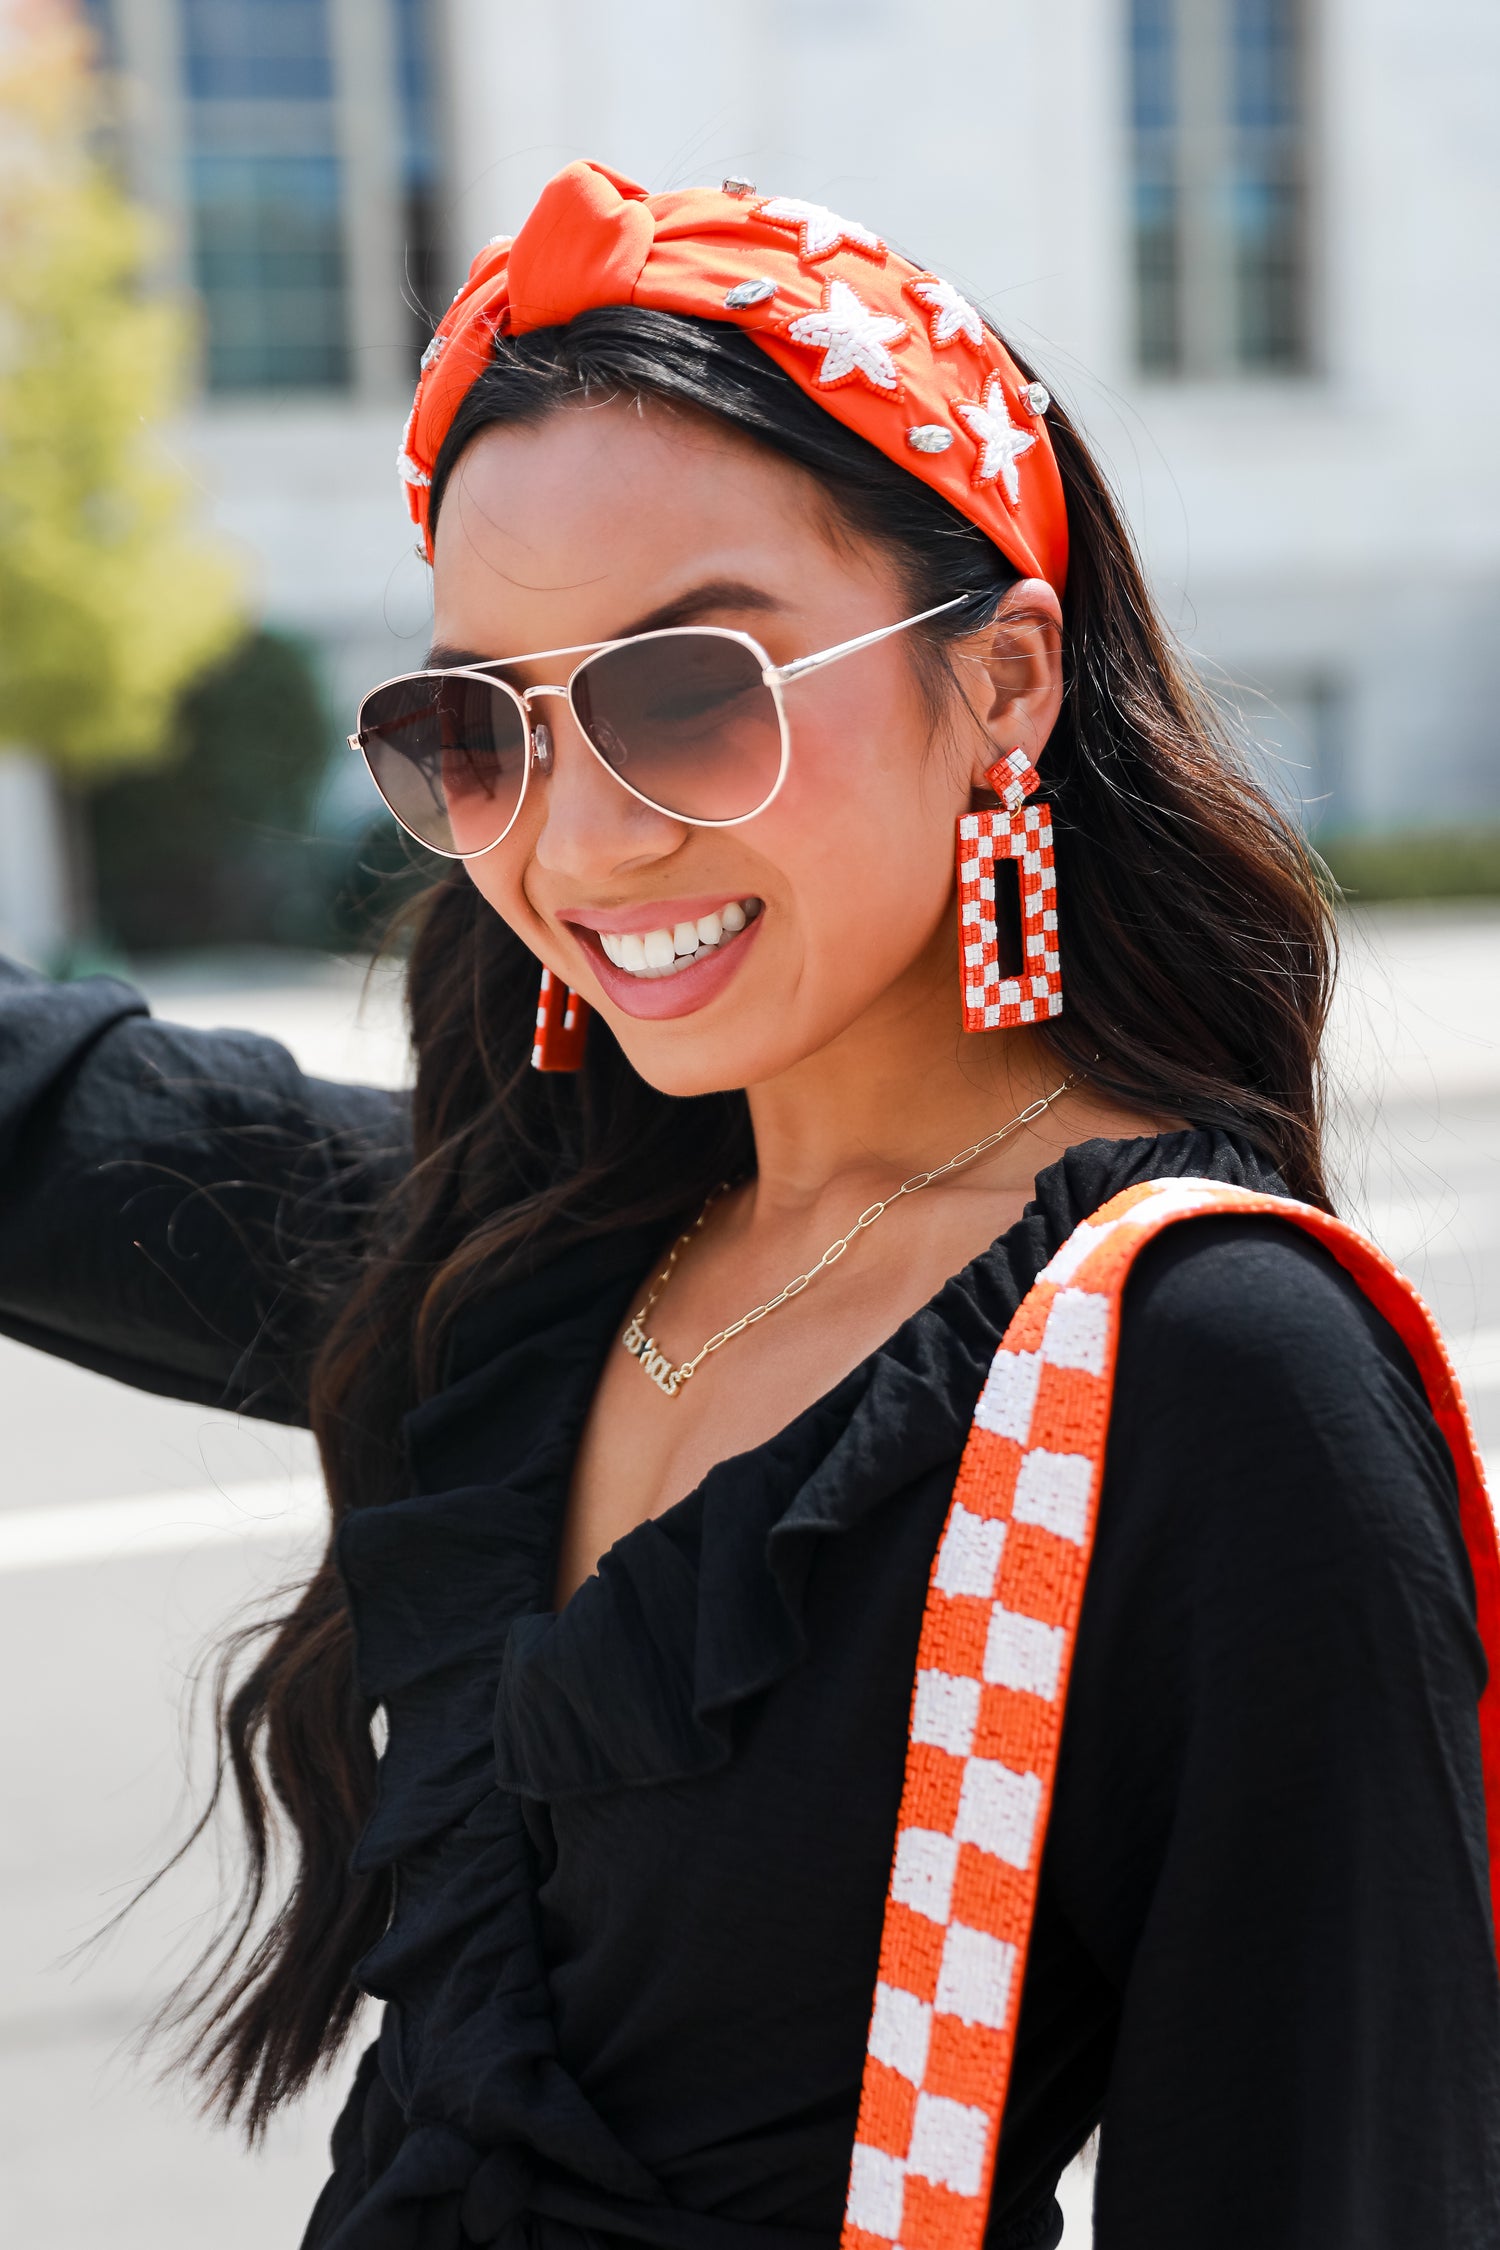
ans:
x=109 y=601
x=1421 y=863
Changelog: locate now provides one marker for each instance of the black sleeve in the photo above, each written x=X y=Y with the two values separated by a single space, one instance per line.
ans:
x=1269 y=1828
x=175 y=1205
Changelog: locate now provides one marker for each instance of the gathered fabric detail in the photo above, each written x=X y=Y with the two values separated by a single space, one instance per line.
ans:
x=637 y=1680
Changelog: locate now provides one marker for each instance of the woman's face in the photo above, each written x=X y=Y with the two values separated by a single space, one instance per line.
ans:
x=832 y=903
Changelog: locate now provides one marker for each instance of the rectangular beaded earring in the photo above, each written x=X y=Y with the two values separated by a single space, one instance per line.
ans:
x=1022 y=833
x=562 y=1024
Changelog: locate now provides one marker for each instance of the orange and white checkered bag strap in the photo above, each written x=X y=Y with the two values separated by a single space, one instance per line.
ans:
x=987 y=1708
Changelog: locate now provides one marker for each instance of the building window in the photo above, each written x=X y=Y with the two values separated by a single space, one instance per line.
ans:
x=1294 y=727
x=265 y=186
x=98 y=17
x=1154 y=106
x=1269 y=186
x=1219 y=131
x=422 y=248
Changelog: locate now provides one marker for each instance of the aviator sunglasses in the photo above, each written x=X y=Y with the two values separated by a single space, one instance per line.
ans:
x=690 y=720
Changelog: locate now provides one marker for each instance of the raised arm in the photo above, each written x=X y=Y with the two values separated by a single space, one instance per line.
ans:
x=175 y=1205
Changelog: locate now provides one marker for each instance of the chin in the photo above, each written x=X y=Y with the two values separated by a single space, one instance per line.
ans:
x=685 y=1061
x=686 y=1068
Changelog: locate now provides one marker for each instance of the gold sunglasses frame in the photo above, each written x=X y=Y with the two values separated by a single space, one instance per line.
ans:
x=773 y=676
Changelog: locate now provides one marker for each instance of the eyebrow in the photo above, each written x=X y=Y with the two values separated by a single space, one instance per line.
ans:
x=717 y=593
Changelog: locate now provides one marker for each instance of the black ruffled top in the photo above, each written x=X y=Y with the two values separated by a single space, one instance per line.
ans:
x=642 y=1846
x=640 y=1849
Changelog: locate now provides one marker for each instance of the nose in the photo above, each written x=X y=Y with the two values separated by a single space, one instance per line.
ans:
x=590 y=826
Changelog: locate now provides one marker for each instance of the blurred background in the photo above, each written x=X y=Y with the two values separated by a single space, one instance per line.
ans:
x=1248 y=242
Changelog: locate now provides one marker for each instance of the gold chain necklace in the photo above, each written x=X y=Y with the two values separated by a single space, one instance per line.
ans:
x=669 y=1379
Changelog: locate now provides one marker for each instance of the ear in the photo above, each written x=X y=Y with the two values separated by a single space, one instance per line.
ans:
x=1012 y=675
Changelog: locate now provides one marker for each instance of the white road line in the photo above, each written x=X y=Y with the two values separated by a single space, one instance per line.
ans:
x=159 y=1523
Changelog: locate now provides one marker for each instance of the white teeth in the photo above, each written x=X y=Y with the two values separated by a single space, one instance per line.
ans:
x=661 y=953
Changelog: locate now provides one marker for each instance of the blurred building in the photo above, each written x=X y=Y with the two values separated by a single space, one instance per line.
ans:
x=290 y=146
x=1246 y=240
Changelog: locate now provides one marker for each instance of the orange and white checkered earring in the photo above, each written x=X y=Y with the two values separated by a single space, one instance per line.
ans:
x=562 y=1025
x=1021 y=833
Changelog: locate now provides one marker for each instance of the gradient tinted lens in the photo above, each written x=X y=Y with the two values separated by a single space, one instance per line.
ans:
x=448 y=754
x=686 y=719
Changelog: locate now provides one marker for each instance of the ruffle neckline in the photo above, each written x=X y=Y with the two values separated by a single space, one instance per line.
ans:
x=698 y=1610
x=491 y=1698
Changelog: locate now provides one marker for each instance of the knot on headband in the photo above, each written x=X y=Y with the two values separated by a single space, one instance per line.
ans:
x=893 y=352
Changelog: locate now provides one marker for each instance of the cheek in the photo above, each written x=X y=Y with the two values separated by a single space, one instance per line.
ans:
x=865 y=833
x=497 y=878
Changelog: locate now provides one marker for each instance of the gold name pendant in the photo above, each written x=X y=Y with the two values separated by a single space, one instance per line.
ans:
x=640 y=1346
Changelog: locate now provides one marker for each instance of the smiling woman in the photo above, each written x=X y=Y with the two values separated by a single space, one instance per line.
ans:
x=723 y=1421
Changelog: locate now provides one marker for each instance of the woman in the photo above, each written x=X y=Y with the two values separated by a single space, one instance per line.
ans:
x=642 y=1379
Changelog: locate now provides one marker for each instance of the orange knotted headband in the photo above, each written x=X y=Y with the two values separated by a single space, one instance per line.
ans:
x=892 y=352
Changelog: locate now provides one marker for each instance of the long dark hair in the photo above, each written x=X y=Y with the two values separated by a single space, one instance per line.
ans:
x=1199 y=957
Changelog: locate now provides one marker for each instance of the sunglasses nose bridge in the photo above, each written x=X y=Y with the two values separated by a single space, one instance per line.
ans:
x=542 y=739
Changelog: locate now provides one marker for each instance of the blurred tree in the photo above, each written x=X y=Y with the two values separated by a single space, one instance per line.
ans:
x=109 y=599
x=214 y=845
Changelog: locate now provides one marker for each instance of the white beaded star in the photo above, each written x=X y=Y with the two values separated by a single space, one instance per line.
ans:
x=950 y=314
x=822 y=230
x=1001 y=443
x=852 y=339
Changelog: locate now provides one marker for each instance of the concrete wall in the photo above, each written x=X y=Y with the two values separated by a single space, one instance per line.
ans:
x=308 y=495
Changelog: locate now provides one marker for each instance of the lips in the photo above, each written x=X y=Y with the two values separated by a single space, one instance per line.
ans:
x=652 y=967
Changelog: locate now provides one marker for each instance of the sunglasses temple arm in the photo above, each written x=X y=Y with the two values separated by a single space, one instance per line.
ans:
x=782 y=673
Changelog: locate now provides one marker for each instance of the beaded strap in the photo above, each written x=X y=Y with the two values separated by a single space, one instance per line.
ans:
x=987 y=1708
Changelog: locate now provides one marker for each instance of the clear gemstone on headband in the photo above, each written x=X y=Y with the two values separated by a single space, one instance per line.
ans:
x=750 y=293
x=735 y=186
x=1035 y=397
x=929 y=437
x=434 y=352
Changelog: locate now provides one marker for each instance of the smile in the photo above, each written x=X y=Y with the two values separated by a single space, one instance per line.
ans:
x=667 y=951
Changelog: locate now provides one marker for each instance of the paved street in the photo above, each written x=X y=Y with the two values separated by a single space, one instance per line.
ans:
x=131 y=1529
